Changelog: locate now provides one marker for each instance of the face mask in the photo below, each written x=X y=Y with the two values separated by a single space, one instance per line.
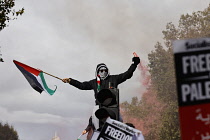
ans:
x=103 y=72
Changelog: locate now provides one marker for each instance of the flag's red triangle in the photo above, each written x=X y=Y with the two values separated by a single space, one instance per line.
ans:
x=28 y=68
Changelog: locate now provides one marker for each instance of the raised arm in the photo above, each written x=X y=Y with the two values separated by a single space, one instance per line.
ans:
x=129 y=73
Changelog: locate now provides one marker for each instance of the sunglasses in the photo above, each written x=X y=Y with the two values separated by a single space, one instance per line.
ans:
x=103 y=70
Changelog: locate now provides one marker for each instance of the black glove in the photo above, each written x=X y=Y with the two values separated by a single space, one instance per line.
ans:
x=136 y=60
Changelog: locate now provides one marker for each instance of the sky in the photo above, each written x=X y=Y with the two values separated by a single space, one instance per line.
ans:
x=68 y=38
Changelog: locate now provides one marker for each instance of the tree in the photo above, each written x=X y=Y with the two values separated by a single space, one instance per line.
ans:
x=144 y=114
x=7 y=12
x=163 y=82
x=7 y=132
x=195 y=25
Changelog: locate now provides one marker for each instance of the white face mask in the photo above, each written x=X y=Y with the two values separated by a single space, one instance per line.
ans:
x=103 y=72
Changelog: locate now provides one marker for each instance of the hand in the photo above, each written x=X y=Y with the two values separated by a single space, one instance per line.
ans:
x=135 y=55
x=84 y=132
x=66 y=80
x=136 y=59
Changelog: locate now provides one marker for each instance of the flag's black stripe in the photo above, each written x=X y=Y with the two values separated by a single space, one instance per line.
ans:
x=31 y=79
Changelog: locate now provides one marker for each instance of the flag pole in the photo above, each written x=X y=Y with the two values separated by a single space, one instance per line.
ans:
x=52 y=75
x=79 y=137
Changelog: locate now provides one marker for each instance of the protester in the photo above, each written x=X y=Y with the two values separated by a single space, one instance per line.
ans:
x=103 y=80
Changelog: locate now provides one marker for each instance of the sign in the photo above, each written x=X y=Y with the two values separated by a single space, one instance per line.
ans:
x=95 y=135
x=115 y=130
x=192 y=63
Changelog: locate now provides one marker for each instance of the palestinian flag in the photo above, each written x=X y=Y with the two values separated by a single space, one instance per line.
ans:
x=35 y=78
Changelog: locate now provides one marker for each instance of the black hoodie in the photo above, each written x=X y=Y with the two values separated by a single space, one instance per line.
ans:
x=114 y=80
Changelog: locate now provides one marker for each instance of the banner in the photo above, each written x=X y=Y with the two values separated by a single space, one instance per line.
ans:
x=192 y=63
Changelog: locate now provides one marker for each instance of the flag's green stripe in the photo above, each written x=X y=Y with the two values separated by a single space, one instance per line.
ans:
x=50 y=91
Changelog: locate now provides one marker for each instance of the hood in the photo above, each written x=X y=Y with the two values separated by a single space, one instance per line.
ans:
x=100 y=66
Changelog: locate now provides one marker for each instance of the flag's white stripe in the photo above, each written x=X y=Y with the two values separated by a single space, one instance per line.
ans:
x=40 y=81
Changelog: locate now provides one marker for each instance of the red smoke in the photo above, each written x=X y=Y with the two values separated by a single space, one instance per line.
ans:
x=149 y=120
x=145 y=76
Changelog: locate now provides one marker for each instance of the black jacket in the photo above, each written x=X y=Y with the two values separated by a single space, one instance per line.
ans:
x=115 y=80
